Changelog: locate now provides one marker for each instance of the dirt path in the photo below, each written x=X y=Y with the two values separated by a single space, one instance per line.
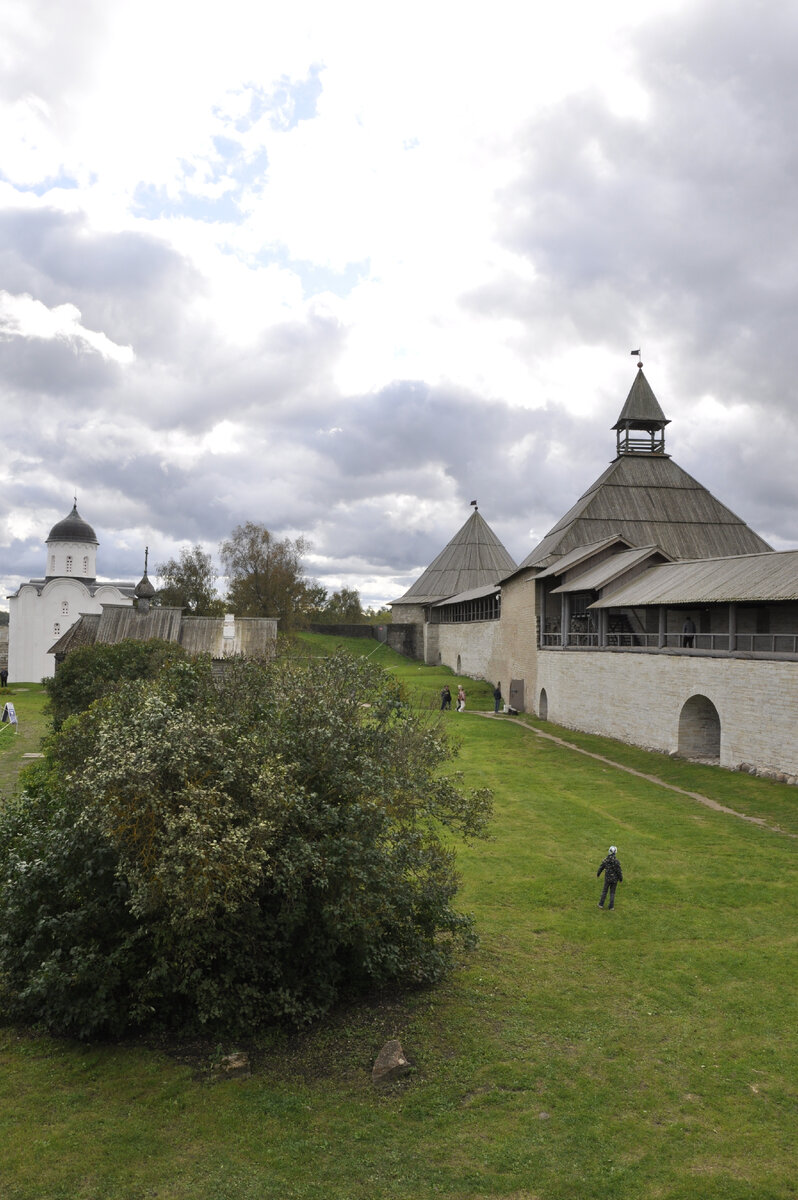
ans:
x=672 y=787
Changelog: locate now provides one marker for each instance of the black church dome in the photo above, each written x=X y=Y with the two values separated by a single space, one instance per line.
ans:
x=73 y=529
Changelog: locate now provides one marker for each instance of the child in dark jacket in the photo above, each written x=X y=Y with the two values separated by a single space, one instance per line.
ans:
x=613 y=875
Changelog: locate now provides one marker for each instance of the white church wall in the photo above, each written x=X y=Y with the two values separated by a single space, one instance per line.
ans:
x=37 y=620
x=639 y=698
x=39 y=614
x=72 y=559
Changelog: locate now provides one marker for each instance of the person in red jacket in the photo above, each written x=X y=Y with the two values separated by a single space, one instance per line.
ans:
x=613 y=875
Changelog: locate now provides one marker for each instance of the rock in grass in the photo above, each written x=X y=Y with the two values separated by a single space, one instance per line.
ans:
x=390 y=1063
x=234 y=1066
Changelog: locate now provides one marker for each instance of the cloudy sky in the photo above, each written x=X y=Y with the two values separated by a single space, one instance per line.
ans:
x=342 y=268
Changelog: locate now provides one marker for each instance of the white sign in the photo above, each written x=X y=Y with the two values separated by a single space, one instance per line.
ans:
x=10 y=713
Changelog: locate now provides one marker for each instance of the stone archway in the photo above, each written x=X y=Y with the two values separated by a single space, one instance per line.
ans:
x=543 y=705
x=699 y=729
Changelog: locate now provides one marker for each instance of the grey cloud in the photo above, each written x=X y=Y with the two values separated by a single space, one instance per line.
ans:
x=52 y=49
x=682 y=224
x=46 y=373
x=128 y=286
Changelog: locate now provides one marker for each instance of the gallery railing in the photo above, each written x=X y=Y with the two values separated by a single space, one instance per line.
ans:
x=747 y=643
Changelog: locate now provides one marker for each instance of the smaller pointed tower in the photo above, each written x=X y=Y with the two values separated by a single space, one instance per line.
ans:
x=640 y=429
x=144 y=592
x=473 y=558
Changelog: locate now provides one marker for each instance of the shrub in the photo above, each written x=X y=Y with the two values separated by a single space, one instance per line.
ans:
x=196 y=856
x=92 y=671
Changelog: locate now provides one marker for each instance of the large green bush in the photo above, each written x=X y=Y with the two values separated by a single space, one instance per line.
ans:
x=198 y=855
x=93 y=671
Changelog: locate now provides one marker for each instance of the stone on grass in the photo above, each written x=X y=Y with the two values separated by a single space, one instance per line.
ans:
x=234 y=1066
x=390 y=1063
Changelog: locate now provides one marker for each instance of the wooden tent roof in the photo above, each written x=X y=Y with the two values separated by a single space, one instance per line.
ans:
x=474 y=558
x=648 y=500
x=642 y=408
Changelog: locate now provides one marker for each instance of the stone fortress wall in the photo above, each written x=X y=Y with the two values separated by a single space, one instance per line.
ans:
x=640 y=698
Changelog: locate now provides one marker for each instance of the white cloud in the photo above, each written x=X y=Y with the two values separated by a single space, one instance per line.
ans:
x=24 y=317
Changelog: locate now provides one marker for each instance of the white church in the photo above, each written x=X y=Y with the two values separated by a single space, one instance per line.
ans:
x=42 y=610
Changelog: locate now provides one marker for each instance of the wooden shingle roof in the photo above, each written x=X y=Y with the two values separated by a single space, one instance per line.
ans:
x=474 y=558
x=642 y=408
x=217 y=636
x=648 y=500
x=751 y=578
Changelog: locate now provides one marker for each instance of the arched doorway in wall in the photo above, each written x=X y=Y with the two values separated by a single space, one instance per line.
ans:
x=543 y=705
x=699 y=729
x=459 y=669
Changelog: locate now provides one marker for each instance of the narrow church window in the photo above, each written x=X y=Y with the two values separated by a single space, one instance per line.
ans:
x=64 y=608
x=57 y=628
x=85 y=564
x=69 y=564
x=52 y=564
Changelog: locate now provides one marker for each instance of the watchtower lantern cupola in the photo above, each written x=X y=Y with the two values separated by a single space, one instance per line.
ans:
x=640 y=429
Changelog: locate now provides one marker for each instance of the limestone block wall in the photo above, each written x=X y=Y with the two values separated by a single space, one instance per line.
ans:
x=470 y=647
x=517 y=652
x=639 y=698
x=407 y=614
x=406 y=639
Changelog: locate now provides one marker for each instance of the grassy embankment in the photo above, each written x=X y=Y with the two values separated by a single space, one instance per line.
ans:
x=28 y=700
x=648 y=1052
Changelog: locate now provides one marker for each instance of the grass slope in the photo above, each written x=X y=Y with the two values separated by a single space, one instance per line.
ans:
x=647 y=1052
x=28 y=700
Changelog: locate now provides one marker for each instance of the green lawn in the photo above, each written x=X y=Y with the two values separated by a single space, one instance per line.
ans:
x=647 y=1052
x=28 y=700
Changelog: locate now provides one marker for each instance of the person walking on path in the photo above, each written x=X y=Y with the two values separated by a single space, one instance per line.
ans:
x=461 y=698
x=446 y=698
x=613 y=875
x=497 y=697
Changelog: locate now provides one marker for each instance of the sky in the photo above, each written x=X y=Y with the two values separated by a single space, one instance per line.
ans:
x=344 y=268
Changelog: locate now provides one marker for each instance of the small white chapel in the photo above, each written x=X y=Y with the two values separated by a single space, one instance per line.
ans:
x=41 y=610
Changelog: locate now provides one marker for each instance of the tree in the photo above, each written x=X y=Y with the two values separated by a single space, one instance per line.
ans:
x=310 y=604
x=378 y=616
x=343 y=607
x=265 y=576
x=190 y=583
x=199 y=855
x=91 y=672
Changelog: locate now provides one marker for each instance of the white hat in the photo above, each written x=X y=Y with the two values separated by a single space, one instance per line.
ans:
x=613 y=849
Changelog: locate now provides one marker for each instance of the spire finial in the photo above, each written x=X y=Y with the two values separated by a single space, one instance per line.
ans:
x=639 y=363
x=146 y=556
x=474 y=505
